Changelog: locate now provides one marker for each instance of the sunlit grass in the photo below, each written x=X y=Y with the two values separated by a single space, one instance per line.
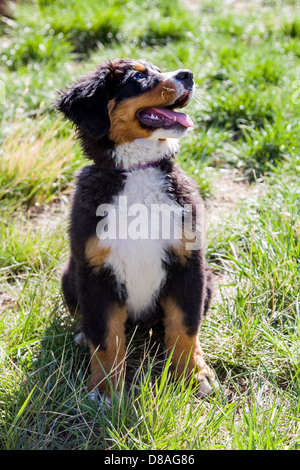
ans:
x=36 y=162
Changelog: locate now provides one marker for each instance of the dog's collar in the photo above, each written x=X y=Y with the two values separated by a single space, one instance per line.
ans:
x=138 y=166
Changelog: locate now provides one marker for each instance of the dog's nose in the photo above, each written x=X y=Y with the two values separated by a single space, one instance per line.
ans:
x=186 y=78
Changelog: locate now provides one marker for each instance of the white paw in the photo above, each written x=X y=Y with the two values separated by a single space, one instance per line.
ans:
x=80 y=339
x=207 y=387
x=100 y=397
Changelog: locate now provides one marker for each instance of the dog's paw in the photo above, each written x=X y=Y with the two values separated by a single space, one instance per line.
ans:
x=80 y=339
x=99 y=397
x=207 y=383
x=208 y=386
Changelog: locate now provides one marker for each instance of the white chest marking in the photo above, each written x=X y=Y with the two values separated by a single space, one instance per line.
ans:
x=145 y=150
x=138 y=263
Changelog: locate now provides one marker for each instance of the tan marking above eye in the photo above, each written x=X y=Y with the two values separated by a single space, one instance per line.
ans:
x=139 y=67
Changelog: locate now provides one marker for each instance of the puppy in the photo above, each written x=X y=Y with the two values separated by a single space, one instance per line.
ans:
x=133 y=255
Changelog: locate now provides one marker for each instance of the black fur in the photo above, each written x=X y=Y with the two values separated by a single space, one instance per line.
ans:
x=85 y=103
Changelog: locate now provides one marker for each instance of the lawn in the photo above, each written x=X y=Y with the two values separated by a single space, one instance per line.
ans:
x=244 y=153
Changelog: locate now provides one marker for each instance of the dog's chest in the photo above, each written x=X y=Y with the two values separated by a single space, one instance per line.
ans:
x=147 y=222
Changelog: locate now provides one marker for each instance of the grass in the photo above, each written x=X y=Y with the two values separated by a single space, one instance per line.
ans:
x=246 y=112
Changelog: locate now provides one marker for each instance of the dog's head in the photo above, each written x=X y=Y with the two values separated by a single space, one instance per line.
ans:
x=125 y=100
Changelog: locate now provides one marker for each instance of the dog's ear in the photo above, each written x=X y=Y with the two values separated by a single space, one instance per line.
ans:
x=85 y=102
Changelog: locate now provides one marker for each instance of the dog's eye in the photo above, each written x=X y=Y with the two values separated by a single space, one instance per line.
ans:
x=138 y=76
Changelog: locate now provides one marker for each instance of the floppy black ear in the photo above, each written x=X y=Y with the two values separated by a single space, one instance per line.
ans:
x=85 y=102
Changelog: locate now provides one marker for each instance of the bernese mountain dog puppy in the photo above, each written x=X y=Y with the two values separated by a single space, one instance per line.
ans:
x=125 y=266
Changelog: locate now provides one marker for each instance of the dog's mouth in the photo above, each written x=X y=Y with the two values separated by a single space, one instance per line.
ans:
x=166 y=117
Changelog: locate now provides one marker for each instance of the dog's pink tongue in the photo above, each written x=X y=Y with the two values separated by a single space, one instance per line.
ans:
x=182 y=118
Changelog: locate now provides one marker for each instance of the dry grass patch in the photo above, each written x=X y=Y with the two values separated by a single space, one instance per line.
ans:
x=37 y=160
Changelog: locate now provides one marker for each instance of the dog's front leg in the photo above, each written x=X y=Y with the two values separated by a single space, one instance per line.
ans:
x=108 y=358
x=103 y=321
x=187 y=355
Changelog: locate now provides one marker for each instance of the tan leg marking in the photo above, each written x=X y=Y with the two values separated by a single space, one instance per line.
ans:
x=181 y=252
x=139 y=67
x=187 y=353
x=95 y=254
x=110 y=360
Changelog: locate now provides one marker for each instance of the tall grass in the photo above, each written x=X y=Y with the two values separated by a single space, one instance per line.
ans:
x=36 y=162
